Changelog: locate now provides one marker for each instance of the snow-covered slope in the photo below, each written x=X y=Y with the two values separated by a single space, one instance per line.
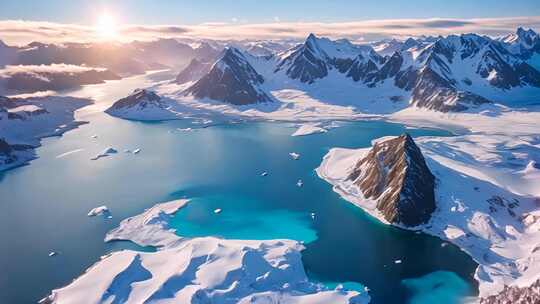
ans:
x=23 y=122
x=199 y=270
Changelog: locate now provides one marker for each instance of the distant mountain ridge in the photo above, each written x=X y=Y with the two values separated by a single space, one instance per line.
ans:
x=452 y=73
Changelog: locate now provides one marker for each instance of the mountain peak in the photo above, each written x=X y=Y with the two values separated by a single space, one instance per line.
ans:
x=311 y=37
x=525 y=33
x=395 y=174
x=231 y=79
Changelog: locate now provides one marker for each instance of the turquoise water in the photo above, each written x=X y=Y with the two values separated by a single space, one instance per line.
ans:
x=441 y=287
x=45 y=204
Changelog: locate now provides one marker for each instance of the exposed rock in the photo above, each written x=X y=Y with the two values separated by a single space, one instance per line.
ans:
x=231 y=79
x=307 y=63
x=6 y=153
x=433 y=92
x=515 y=295
x=395 y=174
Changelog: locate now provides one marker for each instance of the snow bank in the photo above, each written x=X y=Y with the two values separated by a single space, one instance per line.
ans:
x=199 y=270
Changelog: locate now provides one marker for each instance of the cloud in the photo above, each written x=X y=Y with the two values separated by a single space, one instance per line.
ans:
x=22 y=32
x=61 y=68
x=446 y=23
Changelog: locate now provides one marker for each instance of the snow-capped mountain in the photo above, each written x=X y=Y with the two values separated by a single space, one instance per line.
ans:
x=453 y=73
x=144 y=101
x=313 y=59
x=232 y=80
x=389 y=47
x=523 y=43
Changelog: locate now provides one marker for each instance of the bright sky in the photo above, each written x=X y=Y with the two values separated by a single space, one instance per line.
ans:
x=23 y=21
x=258 y=11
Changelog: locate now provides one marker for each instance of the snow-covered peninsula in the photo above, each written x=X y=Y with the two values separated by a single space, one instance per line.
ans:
x=209 y=270
x=24 y=121
x=487 y=199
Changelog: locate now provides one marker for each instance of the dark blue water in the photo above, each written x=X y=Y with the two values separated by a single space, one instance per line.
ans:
x=44 y=206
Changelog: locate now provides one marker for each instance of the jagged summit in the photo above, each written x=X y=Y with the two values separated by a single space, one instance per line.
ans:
x=395 y=174
x=231 y=79
x=317 y=56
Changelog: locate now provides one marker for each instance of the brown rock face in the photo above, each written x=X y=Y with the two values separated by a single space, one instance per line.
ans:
x=516 y=295
x=396 y=175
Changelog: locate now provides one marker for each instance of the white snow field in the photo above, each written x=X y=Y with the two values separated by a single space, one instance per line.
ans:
x=198 y=270
x=487 y=192
x=35 y=118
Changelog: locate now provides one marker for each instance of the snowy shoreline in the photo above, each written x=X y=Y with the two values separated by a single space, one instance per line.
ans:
x=26 y=121
x=205 y=268
x=487 y=201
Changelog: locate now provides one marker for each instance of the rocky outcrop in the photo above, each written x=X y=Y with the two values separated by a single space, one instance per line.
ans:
x=395 y=174
x=515 y=295
x=231 y=79
x=7 y=156
x=431 y=91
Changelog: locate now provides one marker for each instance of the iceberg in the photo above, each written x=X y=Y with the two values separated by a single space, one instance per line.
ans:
x=101 y=210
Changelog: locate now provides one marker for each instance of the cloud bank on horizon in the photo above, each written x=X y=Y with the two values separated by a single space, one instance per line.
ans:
x=22 y=32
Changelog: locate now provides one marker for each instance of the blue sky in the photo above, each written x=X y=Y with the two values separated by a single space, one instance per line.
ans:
x=24 y=21
x=251 y=11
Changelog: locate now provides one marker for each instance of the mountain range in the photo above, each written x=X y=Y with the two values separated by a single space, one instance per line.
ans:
x=453 y=73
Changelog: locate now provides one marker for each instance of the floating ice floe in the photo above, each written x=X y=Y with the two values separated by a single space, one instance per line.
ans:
x=294 y=155
x=101 y=210
x=185 y=129
x=218 y=210
x=264 y=173
x=308 y=129
x=105 y=153
x=299 y=183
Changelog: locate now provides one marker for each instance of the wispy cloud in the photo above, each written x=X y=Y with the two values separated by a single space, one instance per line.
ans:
x=22 y=32
x=61 y=68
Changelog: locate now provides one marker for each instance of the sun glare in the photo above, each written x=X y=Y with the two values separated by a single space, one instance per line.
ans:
x=106 y=27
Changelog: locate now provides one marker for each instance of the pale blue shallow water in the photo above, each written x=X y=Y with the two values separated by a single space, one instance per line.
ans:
x=45 y=205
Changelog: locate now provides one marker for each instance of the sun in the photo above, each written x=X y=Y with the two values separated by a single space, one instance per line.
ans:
x=106 y=27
